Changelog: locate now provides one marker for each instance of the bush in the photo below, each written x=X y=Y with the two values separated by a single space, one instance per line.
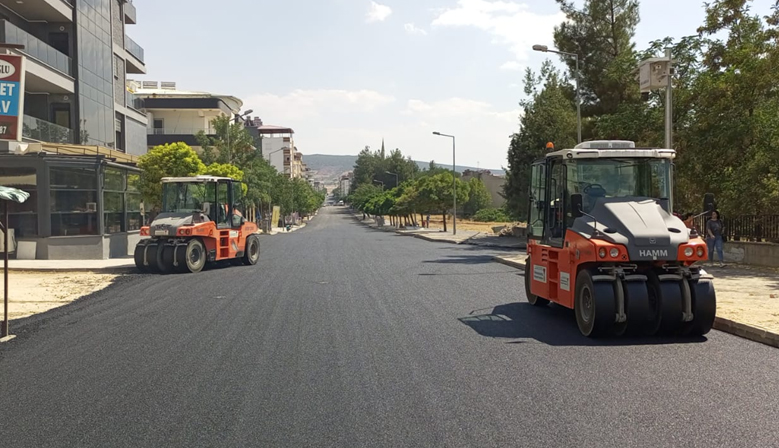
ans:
x=491 y=215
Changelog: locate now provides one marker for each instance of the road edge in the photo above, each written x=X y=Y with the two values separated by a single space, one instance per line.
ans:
x=745 y=331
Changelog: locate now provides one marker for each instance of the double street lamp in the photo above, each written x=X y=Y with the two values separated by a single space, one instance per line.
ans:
x=454 y=184
x=545 y=49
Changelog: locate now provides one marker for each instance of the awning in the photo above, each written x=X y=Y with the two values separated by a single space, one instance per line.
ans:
x=13 y=194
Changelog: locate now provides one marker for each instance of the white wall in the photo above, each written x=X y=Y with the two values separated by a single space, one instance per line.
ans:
x=271 y=150
x=183 y=121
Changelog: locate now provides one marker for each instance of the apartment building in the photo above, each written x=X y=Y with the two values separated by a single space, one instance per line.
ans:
x=179 y=115
x=84 y=126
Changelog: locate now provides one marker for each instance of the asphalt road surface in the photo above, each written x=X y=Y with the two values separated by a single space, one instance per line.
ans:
x=344 y=336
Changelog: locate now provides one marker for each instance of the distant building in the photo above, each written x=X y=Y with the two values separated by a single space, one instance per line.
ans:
x=345 y=183
x=493 y=183
x=278 y=148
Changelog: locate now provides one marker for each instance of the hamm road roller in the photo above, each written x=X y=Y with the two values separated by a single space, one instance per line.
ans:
x=200 y=222
x=602 y=240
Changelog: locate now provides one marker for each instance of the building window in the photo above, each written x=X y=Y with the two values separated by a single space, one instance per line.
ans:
x=73 y=201
x=23 y=217
x=114 y=188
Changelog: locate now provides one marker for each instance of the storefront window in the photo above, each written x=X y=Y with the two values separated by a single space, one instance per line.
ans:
x=134 y=217
x=113 y=200
x=23 y=217
x=73 y=201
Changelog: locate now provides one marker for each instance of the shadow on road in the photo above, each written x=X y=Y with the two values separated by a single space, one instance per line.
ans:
x=462 y=259
x=553 y=325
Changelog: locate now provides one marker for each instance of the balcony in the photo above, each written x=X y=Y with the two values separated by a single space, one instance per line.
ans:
x=44 y=10
x=37 y=129
x=34 y=47
x=135 y=63
x=130 y=15
x=133 y=101
x=179 y=131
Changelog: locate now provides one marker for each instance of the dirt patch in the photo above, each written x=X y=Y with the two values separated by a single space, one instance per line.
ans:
x=36 y=292
x=748 y=295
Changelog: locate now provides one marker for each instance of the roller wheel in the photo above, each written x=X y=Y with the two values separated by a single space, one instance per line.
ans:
x=138 y=256
x=654 y=316
x=532 y=298
x=594 y=305
x=195 y=256
x=151 y=257
x=180 y=252
x=637 y=306
x=166 y=259
x=251 y=252
x=704 y=306
x=670 y=307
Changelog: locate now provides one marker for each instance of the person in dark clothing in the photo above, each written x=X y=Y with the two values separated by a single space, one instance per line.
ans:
x=714 y=229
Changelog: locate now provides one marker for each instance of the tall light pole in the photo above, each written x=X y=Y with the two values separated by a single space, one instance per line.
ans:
x=545 y=49
x=454 y=184
x=396 y=178
x=237 y=117
x=379 y=182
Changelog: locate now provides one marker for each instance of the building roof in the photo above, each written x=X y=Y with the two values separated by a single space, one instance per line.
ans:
x=272 y=129
x=232 y=102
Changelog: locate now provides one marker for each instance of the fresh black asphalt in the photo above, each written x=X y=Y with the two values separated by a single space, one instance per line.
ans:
x=343 y=336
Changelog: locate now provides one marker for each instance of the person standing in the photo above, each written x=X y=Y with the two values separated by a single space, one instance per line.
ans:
x=714 y=229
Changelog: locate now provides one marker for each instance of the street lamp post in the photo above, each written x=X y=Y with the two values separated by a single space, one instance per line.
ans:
x=237 y=117
x=396 y=177
x=454 y=184
x=379 y=182
x=545 y=49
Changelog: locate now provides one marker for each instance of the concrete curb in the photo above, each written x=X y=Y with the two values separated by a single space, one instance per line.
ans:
x=745 y=331
x=756 y=334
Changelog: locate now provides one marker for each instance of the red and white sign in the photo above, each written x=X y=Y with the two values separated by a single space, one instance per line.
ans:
x=11 y=96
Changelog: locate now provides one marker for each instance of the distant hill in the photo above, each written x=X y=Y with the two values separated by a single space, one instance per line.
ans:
x=328 y=167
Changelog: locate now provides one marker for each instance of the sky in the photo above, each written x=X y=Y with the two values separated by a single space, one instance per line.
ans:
x=345 y=74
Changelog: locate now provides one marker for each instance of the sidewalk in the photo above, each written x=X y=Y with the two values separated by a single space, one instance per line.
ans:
x=747 y=299
x=115 y=265
x=469 y=237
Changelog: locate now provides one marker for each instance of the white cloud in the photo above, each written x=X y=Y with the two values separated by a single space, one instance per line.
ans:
x=412 y=29
x=510 y=23
x=378 y=12
x=513 y=66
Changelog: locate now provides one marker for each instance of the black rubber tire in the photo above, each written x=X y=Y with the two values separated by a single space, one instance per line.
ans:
x=151 y=257
x=251 y=252
x=671 y=321
x=138 y=256
x=654 y=316
x=531 y=298
x=180 y=253
x=704 y=306
x=594 y=305
x=636 y=306
x=195 y=258
x=166 y=259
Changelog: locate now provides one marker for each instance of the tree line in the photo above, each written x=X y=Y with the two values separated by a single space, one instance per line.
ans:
x=725 y=106
x=393 y=185
x=230 y=152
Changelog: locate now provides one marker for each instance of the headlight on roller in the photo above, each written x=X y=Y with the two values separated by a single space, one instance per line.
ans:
x=602 y=252
x=700 y=251
x=614 y=252
x=688 y=251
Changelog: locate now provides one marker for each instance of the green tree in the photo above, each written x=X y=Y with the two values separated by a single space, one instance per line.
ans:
x=436 y=193
x=225 y=170
x=601 y=33
x=478 y=197
x=547 y=116
x=171 y=160
x=231 y=143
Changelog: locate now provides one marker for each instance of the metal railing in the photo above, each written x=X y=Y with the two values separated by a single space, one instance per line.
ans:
x=134 y=49
x=34 y=47
x=37 y=129
x=755 y=228
x=179 y=131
